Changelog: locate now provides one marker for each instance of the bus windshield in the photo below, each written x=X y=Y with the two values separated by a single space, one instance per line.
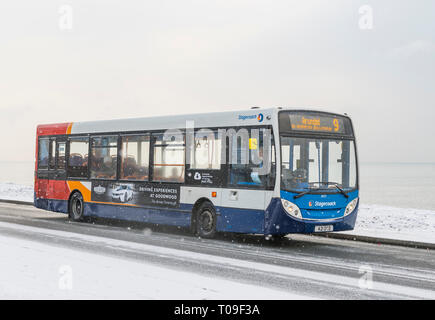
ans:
x=317 y=164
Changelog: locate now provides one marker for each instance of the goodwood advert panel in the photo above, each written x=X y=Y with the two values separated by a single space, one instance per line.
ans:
x=136 y=193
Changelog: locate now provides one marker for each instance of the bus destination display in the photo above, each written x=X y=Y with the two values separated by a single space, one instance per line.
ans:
x=317 y=123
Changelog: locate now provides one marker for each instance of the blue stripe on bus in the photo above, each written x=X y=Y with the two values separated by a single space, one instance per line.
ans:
x=148 y=215
x=240 y=220
x=228 y=219
x=51 y=205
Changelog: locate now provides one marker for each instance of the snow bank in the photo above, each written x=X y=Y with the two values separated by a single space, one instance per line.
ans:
x=12 y=191
x=373 y=220
x=395 y=223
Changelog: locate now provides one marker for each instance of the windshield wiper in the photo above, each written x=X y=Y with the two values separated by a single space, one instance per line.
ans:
x=300 y=194
x=335 y=184
x=342 y=191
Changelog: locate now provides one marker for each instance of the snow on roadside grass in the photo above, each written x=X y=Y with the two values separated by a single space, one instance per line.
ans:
x=373 y=220
x=12 y=191
x=395 y=219
x=395 y=223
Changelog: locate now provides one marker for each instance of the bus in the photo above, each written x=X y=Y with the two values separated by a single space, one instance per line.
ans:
x=271 y=171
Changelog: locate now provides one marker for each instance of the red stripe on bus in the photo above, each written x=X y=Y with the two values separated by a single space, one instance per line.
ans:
x=52 y=129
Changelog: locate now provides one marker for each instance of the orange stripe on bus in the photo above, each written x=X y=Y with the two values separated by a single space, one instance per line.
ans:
x=68 y=131
x=116 y=203
x=77 y=185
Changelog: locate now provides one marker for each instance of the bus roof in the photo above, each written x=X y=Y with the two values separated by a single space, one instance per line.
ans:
x=249 y=117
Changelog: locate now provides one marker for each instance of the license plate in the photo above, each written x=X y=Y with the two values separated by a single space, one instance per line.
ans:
x=326 y=228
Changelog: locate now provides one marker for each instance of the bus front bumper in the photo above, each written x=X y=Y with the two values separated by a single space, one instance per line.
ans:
x=277 y=221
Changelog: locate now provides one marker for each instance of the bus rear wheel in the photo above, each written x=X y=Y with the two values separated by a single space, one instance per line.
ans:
x=76 y=207
x=206 y=221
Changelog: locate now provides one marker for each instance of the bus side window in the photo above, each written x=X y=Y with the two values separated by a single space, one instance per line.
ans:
x=206 y=152
x=78 y=157
x=43 y=153
x=254 y=171
x=61 y=149
x=169 y=159
x=104 y=157
x=52 y=157
x=135 y=153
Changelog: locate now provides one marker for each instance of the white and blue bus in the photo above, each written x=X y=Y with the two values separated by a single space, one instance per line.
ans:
x=260 y=171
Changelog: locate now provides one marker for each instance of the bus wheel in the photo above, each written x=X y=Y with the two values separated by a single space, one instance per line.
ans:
x=206 y=221
x=76 y=207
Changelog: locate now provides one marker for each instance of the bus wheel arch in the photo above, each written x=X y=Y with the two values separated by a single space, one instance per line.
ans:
x=76 y=206
x=204 y=218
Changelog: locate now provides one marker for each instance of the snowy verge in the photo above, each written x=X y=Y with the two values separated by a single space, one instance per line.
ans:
x=405 y=224
x=373 y=220
x=12 y=191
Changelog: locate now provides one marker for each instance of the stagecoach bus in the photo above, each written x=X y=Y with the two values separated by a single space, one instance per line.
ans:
x=259 y=171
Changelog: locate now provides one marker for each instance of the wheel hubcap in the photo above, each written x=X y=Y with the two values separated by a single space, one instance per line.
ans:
x=77 y=208
x=206 y=221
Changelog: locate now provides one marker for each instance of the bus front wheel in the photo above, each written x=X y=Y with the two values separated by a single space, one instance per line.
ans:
x=76 y=207
x=206 y=221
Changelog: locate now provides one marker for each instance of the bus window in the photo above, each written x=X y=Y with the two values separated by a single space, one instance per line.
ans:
x=52 y=158
x=317 y=163
x=258 y=171
x=104 y=157
x=61 y=155
x=206 y=153
x=78 y=157
x=348 y=162
x=169 y=160
x=135 y=155
x=43 y=153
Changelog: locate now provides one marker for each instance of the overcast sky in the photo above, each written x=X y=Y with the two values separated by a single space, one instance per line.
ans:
x=93 y=60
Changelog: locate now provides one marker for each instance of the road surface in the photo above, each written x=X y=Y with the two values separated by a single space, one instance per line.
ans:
x=301 y=266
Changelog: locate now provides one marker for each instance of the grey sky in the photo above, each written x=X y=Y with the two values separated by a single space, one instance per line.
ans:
x=143 y=58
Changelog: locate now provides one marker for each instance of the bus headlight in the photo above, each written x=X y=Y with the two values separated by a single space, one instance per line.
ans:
x=291 y=209
x=351 y=207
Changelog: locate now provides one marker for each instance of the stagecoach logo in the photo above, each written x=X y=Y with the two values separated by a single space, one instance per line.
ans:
x=99 y=190
x=259 y=117
x=322 y=204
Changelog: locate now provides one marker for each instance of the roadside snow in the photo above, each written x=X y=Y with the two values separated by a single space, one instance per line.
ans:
x=373 y=220
x=12 y=191
x=32 y=270
x=395 y=223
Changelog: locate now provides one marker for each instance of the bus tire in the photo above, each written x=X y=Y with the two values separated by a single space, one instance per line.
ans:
x=76 y=207
x=206 y=220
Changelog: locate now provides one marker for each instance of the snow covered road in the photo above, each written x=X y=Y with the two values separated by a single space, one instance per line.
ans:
x=46 y=256
x=48 y=272
x=378 y=221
